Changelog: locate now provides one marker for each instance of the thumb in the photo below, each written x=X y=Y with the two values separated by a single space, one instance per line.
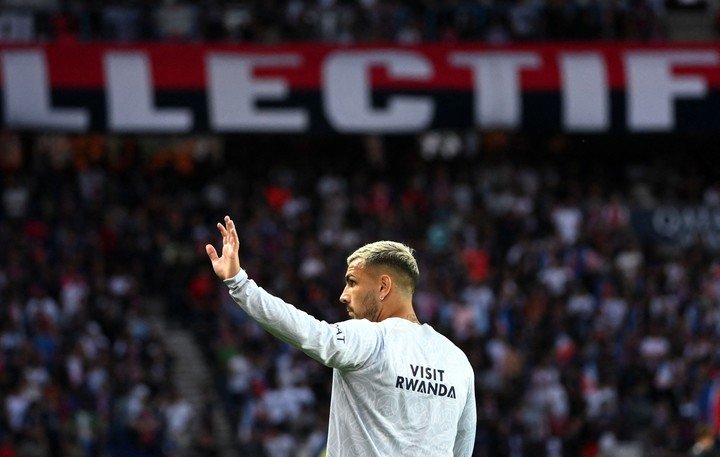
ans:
x=211 y=252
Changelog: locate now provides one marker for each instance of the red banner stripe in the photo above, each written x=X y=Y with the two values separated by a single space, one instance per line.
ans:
x=183 y=66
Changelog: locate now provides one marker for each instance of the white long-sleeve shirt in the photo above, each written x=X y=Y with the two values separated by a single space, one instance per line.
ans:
x=399 y=388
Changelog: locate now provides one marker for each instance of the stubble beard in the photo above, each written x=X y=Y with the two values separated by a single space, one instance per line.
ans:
x=371 y=308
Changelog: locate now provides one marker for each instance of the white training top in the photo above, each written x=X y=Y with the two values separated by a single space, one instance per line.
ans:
x=399 y=388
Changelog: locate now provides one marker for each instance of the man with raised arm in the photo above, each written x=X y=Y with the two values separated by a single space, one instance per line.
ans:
x=399 y=387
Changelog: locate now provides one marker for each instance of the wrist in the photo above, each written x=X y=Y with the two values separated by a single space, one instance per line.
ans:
x=232 y=272
x=237 y=280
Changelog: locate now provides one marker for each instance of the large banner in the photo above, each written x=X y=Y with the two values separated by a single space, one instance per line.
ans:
x=178 y=88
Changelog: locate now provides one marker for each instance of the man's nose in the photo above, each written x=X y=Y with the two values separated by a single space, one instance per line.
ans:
x=344 y=297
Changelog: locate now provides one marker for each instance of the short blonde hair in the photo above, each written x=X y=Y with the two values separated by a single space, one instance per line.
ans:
x=390 y=254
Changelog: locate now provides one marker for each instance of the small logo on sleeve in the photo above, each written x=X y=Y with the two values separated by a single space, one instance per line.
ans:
x=339 y=335
x=425 y=380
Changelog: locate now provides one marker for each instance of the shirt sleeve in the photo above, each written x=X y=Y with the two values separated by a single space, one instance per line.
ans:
x=345 y=345
x=465 y=439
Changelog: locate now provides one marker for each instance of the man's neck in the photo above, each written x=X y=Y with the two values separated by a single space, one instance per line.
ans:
x=403 y=312
x=412 y=318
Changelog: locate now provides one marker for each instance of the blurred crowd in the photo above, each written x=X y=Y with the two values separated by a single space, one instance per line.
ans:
x=336 y=21
x=583 y=334
x=83 y=371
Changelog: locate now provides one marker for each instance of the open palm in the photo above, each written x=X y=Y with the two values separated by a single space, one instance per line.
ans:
x=227 y=264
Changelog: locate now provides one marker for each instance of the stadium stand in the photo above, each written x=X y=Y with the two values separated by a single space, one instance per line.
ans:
x=335 y=21
x=584 y=330
x=578 y=273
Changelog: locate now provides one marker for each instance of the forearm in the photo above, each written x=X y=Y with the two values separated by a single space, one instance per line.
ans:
x=316 y=338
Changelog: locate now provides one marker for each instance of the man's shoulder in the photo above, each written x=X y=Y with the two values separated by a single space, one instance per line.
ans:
x=452 y=350
x=427 y=337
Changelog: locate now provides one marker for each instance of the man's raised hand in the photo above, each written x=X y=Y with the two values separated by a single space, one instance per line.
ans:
x=227 y=265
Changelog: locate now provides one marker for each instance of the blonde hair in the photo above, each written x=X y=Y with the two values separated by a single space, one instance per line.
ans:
x=390 y=254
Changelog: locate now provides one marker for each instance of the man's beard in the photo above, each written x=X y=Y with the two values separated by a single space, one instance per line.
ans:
x=371 y=308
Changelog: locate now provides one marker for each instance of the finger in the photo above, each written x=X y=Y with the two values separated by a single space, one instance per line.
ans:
x=229 y=227
x=223 y=232
x=222 y=229
x=233 y=232
x=211 y=252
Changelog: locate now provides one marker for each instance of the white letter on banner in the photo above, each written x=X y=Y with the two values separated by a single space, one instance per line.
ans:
x=130 y=97
x=347 y=92
x=585 y=96
x=27 y=95
x=652 y=88
x=234 y=91
x=496 y=78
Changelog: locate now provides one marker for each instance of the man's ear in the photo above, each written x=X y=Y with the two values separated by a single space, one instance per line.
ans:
x=386 y=284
